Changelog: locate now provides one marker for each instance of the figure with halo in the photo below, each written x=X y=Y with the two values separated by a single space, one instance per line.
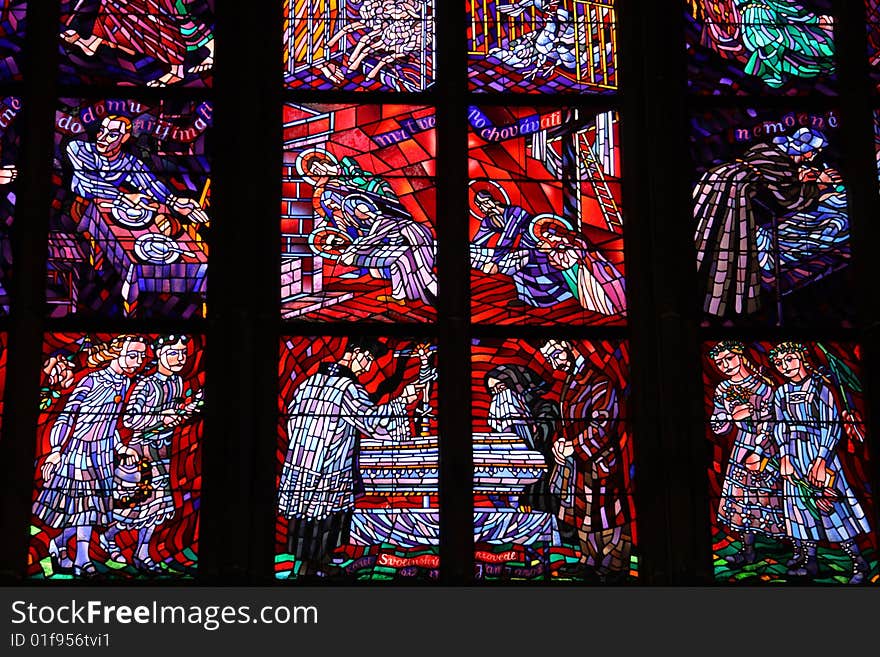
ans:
x=362 y=224
x=504 y=245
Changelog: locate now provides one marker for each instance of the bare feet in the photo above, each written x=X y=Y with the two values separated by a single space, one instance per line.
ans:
x=206 y=65
x=88 y=45
x=331 y=72
x=173 y=76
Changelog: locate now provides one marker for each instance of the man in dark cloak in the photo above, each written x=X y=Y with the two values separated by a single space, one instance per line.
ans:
x=590 y=472
x=778 y=174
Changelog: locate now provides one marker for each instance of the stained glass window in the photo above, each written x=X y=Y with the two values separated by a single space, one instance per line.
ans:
x=359 y=45
x=10 y=107
x=154 y=43
x=128 y=234
x=3 y=360
x=872 y=9
x=12 y=28
x=536 y=46
x=769 y=47
x=357 y=459
x=877 y=139
x=118 y=461
x=789 y=473
x=546 y=222
x=358 y=213
x=553 y=466
x=772 y=222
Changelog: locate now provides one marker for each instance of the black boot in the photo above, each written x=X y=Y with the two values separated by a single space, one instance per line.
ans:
x=810 y=567
x=860 y=567
x=800 y=555
x=746 y=553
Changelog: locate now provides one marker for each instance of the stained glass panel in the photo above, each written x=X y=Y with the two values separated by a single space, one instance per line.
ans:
x=535 y=46
x=771 y=220
x=877 y=139
x=12 y=28
x=357 y=459
x=763 y=47
x=10 y=107
x=359 y=45
x=789 y=478
x=872 y=9
x=153 y=43
x=130 y=223
x=3 y=358
x=118 y=462
x=553 y=466
x=358 y=213
x=546 y=224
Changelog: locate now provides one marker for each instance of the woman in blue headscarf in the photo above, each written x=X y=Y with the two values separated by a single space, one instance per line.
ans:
x=809 y=244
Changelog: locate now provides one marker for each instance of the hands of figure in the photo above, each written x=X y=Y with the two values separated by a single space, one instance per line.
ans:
x=8 y=174
x=808 y=174
x=562 y=449
x=826 y=21
x=753 y=462
x=363 y=211
x=830 y=176
x=411 y=392
x=742 y=411
x=137 y=200
x=59 y=372
x=786 y=469
x=50 y=465
x=128 y=455
x=171 y=418
x=562 y=256
x=817 y=474
x=189 y=208
x=347 y=259
x=490 y=268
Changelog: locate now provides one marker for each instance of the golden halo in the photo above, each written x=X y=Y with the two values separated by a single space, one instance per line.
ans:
x=304 y=161
x=475 y=186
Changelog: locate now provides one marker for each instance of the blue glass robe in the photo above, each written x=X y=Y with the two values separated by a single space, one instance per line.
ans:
x=538 y=283
x=808 y=426
x=810 y=244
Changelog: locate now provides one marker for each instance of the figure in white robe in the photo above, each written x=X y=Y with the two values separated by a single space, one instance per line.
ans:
x=328 y=412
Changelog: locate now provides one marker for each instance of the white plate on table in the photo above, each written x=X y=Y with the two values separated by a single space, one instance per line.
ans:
x=132 y=218
x=157 y=249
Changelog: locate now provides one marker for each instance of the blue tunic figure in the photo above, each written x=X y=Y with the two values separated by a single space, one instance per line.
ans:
x=103 y=172
x=77 y=474
x=515 y=254
x=819 y=503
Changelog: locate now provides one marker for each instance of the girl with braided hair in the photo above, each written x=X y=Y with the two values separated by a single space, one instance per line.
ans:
x=77 y=475
x=751 y=500
x=808 y=429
